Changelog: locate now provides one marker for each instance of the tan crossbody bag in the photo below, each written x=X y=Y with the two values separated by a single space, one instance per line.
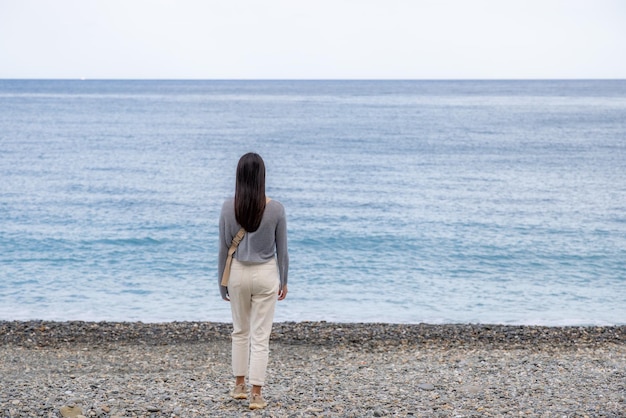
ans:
x=233 y=247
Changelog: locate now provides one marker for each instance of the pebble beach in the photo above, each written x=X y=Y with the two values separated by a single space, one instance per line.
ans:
x=317 y=369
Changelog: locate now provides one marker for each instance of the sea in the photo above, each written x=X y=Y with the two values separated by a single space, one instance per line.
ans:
x=491 y=202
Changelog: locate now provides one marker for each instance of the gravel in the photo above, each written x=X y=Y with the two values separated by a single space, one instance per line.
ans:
x=182 y=369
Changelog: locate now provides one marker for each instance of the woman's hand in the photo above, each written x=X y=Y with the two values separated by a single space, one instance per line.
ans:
x=282 y=292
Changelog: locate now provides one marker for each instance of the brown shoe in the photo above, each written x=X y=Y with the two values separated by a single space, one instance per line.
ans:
x=239 y=392
x=257 y=402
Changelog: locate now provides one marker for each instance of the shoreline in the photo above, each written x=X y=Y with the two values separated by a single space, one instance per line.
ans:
x=316 y=369
x=319 y=333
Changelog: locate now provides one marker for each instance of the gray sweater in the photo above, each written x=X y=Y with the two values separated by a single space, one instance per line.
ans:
x=260 y=246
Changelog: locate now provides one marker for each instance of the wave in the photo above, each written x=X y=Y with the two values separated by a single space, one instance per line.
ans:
x=126 y=241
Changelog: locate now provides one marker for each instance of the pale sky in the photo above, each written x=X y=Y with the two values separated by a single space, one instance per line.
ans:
x=313 y=39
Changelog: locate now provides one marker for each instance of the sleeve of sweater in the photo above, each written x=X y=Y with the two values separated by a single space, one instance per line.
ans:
x=282 y=255
x=223 y=253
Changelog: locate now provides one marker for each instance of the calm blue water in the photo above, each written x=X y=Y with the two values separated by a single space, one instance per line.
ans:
x=489 y=201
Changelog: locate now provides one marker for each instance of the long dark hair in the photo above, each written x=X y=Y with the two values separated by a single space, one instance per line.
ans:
x=250 y=191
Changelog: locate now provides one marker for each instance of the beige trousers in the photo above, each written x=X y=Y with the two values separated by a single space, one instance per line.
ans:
x=253 y=290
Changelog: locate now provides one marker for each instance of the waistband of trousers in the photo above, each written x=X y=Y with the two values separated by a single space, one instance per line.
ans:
x=271 y=261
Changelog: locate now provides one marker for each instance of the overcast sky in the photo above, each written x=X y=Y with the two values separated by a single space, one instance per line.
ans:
x=313 y=39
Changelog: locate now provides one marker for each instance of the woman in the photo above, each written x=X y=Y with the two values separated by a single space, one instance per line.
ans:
x=258 y=273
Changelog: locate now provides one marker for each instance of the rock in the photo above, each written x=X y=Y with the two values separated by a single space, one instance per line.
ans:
x=70 y=411
x=314 y=410
x=471 y=389
x=426 y=386
x=153 y=409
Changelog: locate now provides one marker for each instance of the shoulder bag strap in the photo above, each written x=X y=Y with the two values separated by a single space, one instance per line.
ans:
x=229 y=259
x=233 y=247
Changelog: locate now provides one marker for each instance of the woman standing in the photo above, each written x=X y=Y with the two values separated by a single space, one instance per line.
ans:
x=258 y=273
